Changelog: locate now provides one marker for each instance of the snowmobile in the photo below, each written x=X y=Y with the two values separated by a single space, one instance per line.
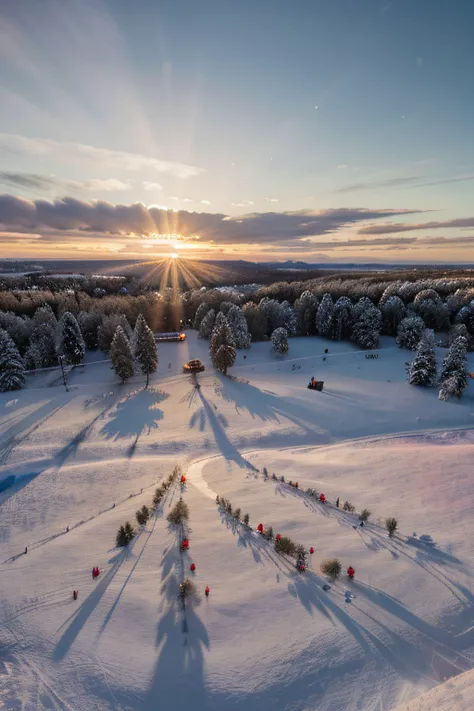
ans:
x=315 y=384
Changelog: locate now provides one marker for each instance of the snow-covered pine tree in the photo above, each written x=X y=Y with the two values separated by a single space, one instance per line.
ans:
x=201 y=311
x=238 y=325
x=220 y=319
x=459 y=329
x=342 y=319
x=41 y=352
x=274 y=313
x=106 y=330
x=279 y=341
x=422 y=370
x=393 y=312
x=409 y=332
x=12 y=367
x=288 y=316
x=69 y=340
x=144 y=348
x=221 y=348
x=305 y=308
x=454 y=372
x=257 y=322
x=366 y=324
x=121 y=355
x=89 y=322
x=324 y=316
x=207 y=324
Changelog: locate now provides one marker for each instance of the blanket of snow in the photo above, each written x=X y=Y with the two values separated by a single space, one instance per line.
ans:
x=267 y=637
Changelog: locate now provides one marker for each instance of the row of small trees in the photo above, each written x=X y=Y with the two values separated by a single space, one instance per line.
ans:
x=391 y=524
x=127 y=532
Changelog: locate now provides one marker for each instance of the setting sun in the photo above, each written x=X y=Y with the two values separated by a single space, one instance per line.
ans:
x=174 y=255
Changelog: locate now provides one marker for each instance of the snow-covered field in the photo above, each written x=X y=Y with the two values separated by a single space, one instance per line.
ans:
x=267 y=637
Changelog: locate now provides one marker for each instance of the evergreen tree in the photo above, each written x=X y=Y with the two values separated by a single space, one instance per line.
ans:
x=409 y=332
x=200 y=313
x=89 y=322
x=142 y=515
x=300 y=557
x=121 y=355
x=305 y=308
x=12 y=367
x=367 y=321
x=145 y=350
x=69 y=340
x=393 y=312
x=342 y=319
x=280 y=341
x=222 y=347
x=207 y=324
x=454 y=373
x=391 y=524
x=324 y=316
x=422 y=370
x=238 y=325
x=257 y=322
x=288 y=317
x=107 y=328
x=41 y=352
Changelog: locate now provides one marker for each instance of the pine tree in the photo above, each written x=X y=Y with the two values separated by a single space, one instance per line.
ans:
x=409 y=332
x=12 y=367
x=121 y=355
x=201 y=311
x=454 y=373
x=300 y=557
x=367 y=321
x=221 y=348
x=422 y=371
x=342 y=319
x=393 y=312
x=324 y=316
x=142 y=515
x=69 y=342
x=89 y=322
x=331 y=567
x=289 y=319
x=391 y=524
x=122 y=538
x=305 y=308
x=280 y=341
x=145 y=350
x=107 y=328
x=41 y=352
x=207 y=324
x=238 y=325
x=257 y=322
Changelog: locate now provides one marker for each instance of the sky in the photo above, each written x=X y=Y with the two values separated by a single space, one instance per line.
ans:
x=266 y=130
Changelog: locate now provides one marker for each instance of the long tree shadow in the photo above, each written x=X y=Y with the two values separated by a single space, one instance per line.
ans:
x=138 y=412
x=218 y=426
x=80 y=616
x=181 y=639
x=20 y=431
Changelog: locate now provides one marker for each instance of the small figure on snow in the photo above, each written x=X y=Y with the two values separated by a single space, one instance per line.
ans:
x=26 y=550
x=183 y=479
x=207 y=591
x=75 y=593
x=184 y=544
x=95 y=572
x=322 y=498
x=301 y=560
x=278 y=537
x=192 y=567
x=337 y=502
x=67 y=529
x=260 y=528
x=311 y=550
x=351 y=572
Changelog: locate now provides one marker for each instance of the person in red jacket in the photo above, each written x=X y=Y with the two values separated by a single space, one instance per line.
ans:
x=322 y=498
x=192 y=567
x=207 y=591
x=351 y=572
x=260 y=528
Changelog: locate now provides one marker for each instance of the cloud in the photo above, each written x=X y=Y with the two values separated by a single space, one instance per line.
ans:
x=69 y=214
x=152 y=186
x=45 y=183
x=392 y=227
x=392 y=182
x=405 y=182
x=118 y=160
x=205 y=202
x=29 y=181
x=272 y=199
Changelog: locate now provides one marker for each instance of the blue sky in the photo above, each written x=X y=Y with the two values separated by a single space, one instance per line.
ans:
x=309 y=130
